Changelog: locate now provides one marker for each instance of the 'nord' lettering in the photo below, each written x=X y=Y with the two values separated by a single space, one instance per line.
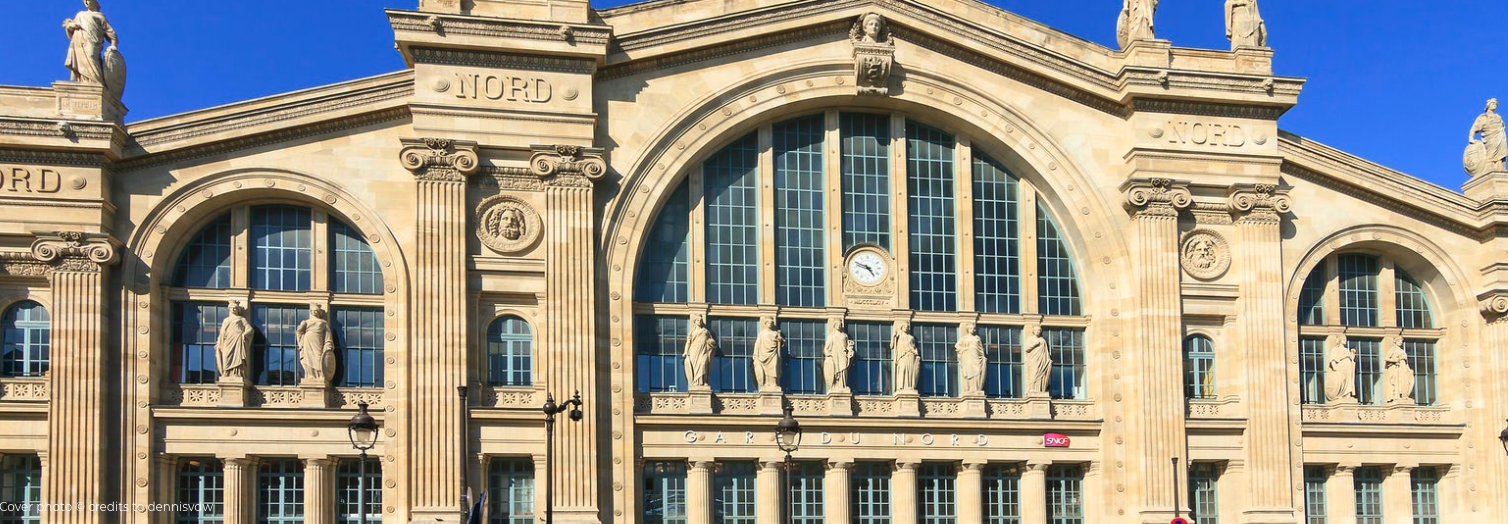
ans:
x=510 y=88
x=1202 y=134
x=30 y=180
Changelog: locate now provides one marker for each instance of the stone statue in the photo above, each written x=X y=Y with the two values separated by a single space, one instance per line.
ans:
x=234 y=343
x=971 y=360
x=316 y=348
x=837 y=356
x=1397 y=375
x=871 y=29
x=1243 y=24
x=87 y=34
x=907 y=360
x=1488 y=154
x=1135 y=22
x=767 y=355
x=699 y=349
x=1037 y=360
x=1340 y=380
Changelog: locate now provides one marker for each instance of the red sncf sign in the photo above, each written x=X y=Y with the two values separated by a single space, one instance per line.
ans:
x=1054 y=440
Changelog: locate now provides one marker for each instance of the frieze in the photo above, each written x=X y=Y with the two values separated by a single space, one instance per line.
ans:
x=439 y=159
x=22 y=389
x=650 y=65
x=470 y=58
x=1205 y=109
x=510 y=179
x=498 y=28
x=508 y=225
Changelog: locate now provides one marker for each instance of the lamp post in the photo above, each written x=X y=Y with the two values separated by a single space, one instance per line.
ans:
x=1503 y=437
x=551 y=409
x=788 y=437
x=363 y=432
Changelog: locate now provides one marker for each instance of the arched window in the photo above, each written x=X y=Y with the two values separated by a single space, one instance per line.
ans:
x=298 y=259
x=510 y=353
x=27 y=338
x=772 y=219
x=1199 y=367
x=1367 y=300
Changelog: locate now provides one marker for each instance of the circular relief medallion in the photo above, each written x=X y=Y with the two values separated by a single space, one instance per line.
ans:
x=508 y=225
x=1206 y=255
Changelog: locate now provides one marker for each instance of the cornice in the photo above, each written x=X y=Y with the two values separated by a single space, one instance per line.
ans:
x=486 y=27
x=828 y=32
x=474 y=58
x=53 y=158
x=266 y=138
x=57 y=128
x=1209 y=109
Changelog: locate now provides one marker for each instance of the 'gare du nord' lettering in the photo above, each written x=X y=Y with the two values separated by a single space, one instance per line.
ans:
x=30 y=180
x=510 y=88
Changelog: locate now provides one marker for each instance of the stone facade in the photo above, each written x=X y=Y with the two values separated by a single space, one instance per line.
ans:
x=516 y=168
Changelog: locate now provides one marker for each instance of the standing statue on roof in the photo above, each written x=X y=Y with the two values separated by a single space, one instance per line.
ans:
x=1487 y=154
x=87 y=33
x=1135 y=22
x=1243 y=24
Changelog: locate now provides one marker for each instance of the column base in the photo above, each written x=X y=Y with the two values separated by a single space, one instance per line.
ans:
x=1270 y=516
x=771 y=402
x=840 y=403
x=574 y=515
x=438 y=516
x=908 y=404
x=315 y=396
x=232 y=393
x=1039 y=406
x=699 y=401
x=973 y=406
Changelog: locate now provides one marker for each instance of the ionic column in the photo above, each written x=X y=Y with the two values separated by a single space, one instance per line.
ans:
x=1155 y=204
x=1398 y=496
x=1094 y=499
x=166 y=485
x=437 y=358
x=1272 y=422
x=835 y=492
x=1492 y=468
x=1034 y=493
x=238 y=488
x=903 y=509
x=970 y=492
x=768 y=496
x=1340 y=494
x=699 y=494
x=317 y=491
x=79 y=266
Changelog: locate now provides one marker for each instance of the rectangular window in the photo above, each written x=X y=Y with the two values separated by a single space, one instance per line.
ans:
x=660 y=343
x=871 y=372
x=937 y=500
x=734 y=488
x=1368 y=483
x=21 y=485
x=732 y=210
x=205 y=262
x=196 y=328
x=866 y=179
x=665 y=275
x=1422 y=359
x=277 y=343
x=1425 y=486
x=1315 y=502
x=355 y=494
x=1199 y=367
x=1413 y=308
x=1358 y=289
x=201 y=490
x=510 y=353
x=997 y=239
x=1002 y=494
x=1204 y=493
x=934 y=275
x=733 y=368
x=939 y=369
x=1002 y=354
x=1369 y=389
x=1065 y=494
x=359 y=335
x=281 y=248
x=510 y=491
x=1067 y=349
x=806 y=493
x=803 y=356
x=1057 y=284
x=1312 y=297
x=800 y=245
x=280 y=492
x=1312 y=366
x=353 y=267
x=870 y=493
x=664 y=492
x=27 y=340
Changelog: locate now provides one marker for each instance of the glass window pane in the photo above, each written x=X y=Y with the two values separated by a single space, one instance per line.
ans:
x=800 y=242
x=510 y=353
x=1002 y=494
x=1368 y=483
x=196 y=328
x=733 y=489
x=277 y=343
x=806 y=493
x=356 y=494
x=21 y=484
x=1422 y=358
x=866 y=179
x=1065 y=494
x=936 y=499
x=1204 y=493
x=1312 y=297
x=1002 y=354
x=201 y=491
x=1057 y=282
x=353 y=267
x=1413 y=307
x=1067 y=349
x=803 y=356
x=26 y=345
x=871 y=372
x=1369 y=389
x=869 y=486
x=205 y=261
x=359 y=336
x=1358 y=289
x=665 y=274
x=510 y=491
x=732 y=196
x=733 y=365
x=1425 y=488
x=1199 y=367
x=997 y=239
x=1315 y=501
x=660 y=343
x=280 y=492
x=939 y=369
x=1312 y=366
x=281 y=249
x=664 y=492
x=929 y=165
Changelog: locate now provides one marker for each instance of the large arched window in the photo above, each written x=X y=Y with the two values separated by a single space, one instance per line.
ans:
x=510 y=353
x=296 y=259
x=773 y=218
x=26 y=340
x=1368 y=301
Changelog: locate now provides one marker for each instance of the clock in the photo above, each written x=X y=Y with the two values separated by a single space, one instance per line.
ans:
x=868 y=267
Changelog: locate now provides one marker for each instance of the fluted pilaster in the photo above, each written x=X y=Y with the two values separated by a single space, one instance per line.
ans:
x=1034 y=493
x=238 y=486
x=903 y=508
x=768 y=496
x=699 y=494
x=1397 y=495
x=971 y=492
x=835 y=492
x=1340 y=494
x=318 y=491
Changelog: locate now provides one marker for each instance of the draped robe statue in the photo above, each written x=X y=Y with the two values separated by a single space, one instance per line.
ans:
x=1397 y=375
x=699 y=349
x=767 y=355
x=1488 y=154
x=907 y=360
x=837 y=357
x=316 y=348
x=87 y=34
x=234 y=343
x=1135 y=22
x=971 y=361
x=1244 y=25
x=1038 y=363
x=1340 y=377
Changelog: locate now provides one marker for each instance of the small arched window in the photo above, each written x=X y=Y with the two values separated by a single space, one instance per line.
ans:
x=1199 y=367
x=26 y=340
x=510 y=353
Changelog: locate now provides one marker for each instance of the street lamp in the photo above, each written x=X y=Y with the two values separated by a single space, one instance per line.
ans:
x=1503 y=437
x=788 y=437
x=363 y=432
x=551 y=409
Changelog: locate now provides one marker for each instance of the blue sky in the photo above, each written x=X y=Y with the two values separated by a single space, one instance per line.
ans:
x=1397 y=82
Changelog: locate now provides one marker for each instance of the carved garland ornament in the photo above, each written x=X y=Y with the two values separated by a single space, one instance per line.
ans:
x=1205 y=254
x=508 y=225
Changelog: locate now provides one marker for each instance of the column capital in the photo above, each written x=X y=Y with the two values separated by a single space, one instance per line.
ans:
x=771 y=464
x=906 y=465
x=839 y=465
x=235 y=463
x=1494 y=305
x=972 y=466
x=702 y=465
x=1259 y=203
x=1346 y=469
x=439 y=159
x=75 y=251
x=316 y=462
x=1157 y=197
x=1402 y=469
x=567 y=165
x=1037 y=467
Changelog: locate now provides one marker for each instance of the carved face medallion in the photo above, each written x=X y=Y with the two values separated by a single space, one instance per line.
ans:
x=507 y=225
x=1205 y=255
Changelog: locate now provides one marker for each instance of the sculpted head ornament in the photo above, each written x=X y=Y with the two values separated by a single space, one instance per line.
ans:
x=871 y=29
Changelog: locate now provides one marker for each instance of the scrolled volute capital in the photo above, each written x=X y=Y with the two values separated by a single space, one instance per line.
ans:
x=439 y=158
x=76 y=250
x=1157 y=196
x=1260 y=199
x=1494 y=305
x=567 y=160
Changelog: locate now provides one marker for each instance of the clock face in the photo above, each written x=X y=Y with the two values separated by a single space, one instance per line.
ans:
x=868 y=268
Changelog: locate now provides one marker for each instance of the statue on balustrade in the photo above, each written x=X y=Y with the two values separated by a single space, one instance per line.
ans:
x=767 y=355
x=1397 y=374
x=700 y=347
x=316 y=348
x=971 y=360
x=1340 y=376
x=1489 y=153
x=837 y=356
x=907 y=360
x=1135 y=22
x=1037 y=360
x=1243 y=24
x=234 y=343
x=87 y=33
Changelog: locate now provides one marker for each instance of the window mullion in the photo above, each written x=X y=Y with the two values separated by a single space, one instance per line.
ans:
x=1387 y=294
x=766 y=211
x=963 y=183
x=833 y=219
x=900 y=239
x=697 y=279
x=1026 y=230
x=240 y=261
x=1332 y=291
x=319 y=262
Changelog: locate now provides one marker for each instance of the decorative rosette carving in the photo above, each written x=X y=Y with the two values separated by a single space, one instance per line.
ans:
x=1260 y=201
x=439 y=158
x=508 y=225
x=566 y=161
x=1157 y=196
